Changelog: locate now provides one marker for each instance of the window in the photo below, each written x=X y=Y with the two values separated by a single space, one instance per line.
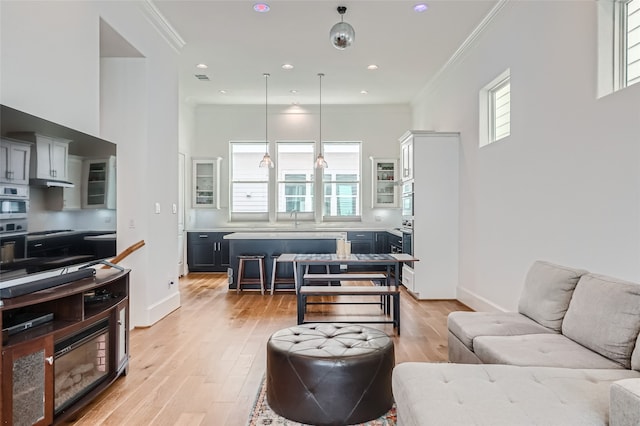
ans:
x=495 y=109
x=295 y=177
x=295 y=182
x=249 y=183
x=618 y=45
x=341 y=180
x=632 y=42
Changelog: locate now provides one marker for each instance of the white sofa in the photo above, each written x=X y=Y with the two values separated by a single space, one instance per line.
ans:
x=569 y=356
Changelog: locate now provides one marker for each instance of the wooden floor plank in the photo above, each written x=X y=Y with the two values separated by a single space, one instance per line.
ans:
x=203 y=363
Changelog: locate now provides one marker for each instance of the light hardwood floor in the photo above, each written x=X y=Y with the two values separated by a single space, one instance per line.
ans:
x=203 y=363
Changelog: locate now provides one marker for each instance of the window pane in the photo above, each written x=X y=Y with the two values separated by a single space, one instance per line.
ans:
x=501 y=110
x=633 y=42
x=341 y=186
x=295 y=176
x=245 y=159
x=249 y=183
x=249 y=197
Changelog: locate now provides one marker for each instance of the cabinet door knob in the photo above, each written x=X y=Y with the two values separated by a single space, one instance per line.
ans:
x=49 y=360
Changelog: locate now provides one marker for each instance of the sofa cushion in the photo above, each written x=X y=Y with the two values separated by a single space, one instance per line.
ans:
x=468 y=325
x=635 y=356
x=604 y=316
x=547 y=292
x=501 y=395
x=542 y=350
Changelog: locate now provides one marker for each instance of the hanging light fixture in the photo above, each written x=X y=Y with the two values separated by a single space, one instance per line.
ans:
x=266 y=159
x=342 y=34
x=320 y=163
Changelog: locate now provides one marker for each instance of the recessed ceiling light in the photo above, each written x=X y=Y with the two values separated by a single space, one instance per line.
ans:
x=261 y=7
x=287 y=67
x=223 y=92
x=364 y=92
x=420 y=7
x=294 y=91
x=372 y=67
x=202 y=66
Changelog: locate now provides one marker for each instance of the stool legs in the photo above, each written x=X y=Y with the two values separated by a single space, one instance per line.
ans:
x=241 y=272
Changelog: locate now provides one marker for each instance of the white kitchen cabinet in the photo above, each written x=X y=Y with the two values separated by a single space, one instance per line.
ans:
x=435 y=227
x=384 y=183
x=67 y=198
x=406 y=160
x=99 y=183
x=50 y=159
x=205 y=182
x=14 y=162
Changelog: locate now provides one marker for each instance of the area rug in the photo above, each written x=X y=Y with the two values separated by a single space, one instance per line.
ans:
x=262 y=414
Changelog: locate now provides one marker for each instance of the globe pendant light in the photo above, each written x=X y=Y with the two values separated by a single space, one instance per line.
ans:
x=320 y=163
x=342 y=34
x=266 y=159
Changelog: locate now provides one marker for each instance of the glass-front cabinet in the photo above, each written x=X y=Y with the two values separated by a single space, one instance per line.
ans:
x=384 y=182
x=99 y=178
x=206 y=182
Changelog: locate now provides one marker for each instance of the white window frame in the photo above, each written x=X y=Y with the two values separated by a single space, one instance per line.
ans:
x=488 y=107
x=613 y=49
x=249 y=216
x=322 y=182
x=285 y=216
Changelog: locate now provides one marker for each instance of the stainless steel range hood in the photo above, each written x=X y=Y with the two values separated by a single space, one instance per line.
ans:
x=48 y=183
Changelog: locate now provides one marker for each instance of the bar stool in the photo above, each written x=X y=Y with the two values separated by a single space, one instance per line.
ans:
x=281 y=258
x=243 y=280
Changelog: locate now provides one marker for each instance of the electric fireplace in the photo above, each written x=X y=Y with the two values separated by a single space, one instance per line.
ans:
x=81 y=362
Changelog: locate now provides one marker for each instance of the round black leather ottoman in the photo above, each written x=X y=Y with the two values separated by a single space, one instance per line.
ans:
x=330 y=374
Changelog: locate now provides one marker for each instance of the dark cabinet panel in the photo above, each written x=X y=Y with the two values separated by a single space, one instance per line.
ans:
x=207 y=251
x=382 y=242
x=361 y=242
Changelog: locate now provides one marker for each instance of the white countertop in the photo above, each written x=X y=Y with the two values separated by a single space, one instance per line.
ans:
x=286 y=235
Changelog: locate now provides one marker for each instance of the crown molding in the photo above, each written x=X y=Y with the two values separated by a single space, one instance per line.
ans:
x=466 y=45
x=163 y=26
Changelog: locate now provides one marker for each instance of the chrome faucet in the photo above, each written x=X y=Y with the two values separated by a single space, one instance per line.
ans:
x=294 y=212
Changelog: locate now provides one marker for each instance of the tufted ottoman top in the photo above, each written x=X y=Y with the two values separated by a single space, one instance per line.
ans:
x=330 y=340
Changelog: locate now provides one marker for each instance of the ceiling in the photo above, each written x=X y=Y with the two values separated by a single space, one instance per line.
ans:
x=239 y=45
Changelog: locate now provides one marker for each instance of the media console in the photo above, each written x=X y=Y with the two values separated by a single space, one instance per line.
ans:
x=50 y=370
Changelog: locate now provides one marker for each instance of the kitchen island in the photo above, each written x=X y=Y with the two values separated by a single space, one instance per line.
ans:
x=276 y=243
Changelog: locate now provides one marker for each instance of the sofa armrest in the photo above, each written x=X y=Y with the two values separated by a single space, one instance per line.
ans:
x=624 y=403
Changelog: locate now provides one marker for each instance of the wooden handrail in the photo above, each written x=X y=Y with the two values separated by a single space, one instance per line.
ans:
x=126 y=252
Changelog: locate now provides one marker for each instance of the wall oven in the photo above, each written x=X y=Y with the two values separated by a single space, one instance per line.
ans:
x=407 y=200
x=14 y=201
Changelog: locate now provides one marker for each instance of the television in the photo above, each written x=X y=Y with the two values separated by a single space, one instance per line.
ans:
x=63 y=227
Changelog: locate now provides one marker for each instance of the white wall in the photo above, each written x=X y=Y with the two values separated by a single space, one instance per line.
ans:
x=565 y=186
x=51 y=68
x=378 y=127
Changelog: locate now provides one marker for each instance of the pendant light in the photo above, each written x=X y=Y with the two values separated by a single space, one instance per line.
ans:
x=266 y=159
x=320 y=163
x=342 y=34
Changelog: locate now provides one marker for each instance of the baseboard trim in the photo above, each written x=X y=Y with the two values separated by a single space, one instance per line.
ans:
x=161 y=309
x=477 y=302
